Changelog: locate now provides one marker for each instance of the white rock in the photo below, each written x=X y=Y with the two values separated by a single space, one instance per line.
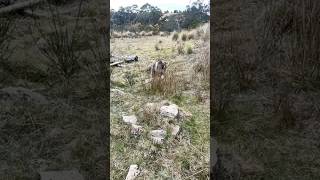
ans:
x=130 y=119
x=136 y=129
x=157 y=140
x=175 y=129
x=133 y=172
x=169 y=111
x=158 y=133
x=157 y=136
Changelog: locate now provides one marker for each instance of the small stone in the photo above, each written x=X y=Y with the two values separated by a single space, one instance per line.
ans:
x=136 y=129
x=157 y=140
x=169 y=111
x=130 y=119
x=133 y=172
x=157 y=136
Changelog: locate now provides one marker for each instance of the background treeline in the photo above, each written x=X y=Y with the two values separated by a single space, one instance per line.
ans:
x=152 y=18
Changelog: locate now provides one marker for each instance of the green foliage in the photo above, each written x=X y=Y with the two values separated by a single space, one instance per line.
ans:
x=151 y=15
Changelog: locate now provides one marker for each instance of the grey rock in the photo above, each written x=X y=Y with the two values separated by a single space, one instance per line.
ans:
x=170 y=111
x=130 y=119
x=133 y=172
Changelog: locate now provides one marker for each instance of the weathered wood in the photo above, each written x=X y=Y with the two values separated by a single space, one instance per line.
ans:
x=116 y=63
x=20 y=5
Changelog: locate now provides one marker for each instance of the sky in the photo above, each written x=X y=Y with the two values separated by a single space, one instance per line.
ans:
x=162 y=4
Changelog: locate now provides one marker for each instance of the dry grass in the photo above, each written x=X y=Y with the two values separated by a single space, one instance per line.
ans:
x=202 y=67
x=191 y=36
x=182 y=157
x=6 y=25
x=60 y=48
x=175 y=36
x=268 y=90
x=166 y=86
x=184 y=37
x=180 y=48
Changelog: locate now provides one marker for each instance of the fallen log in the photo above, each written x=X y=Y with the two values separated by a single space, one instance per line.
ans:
x=19 y=6
x=117 y=63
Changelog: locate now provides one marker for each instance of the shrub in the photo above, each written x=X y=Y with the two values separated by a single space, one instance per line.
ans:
x=165 y=86
x=202 y=67
x=129 y=78
x=180 y=49
x=184 y=37
x=175 y=36
x=190 y=36
x=189 y=50
x=60 y=47
x=5 y=28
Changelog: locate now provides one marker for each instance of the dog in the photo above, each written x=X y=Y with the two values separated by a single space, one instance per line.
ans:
x=158 y=69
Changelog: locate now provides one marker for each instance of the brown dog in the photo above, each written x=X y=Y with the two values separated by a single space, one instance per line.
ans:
x=158 y=69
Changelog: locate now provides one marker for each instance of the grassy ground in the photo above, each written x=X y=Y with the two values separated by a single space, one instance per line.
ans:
x=183 y=157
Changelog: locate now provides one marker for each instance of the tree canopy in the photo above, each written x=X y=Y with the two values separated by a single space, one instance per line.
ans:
x=148 y=15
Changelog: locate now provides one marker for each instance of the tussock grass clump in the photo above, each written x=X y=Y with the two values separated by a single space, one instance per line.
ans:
x=6 y=25
x=184 y=37
x=175 y=36
x=291 y=28
x=202 y=67
x=190 y=36
x=180 y=48
x=60 y=47
x=189 y=49
x=167 y=85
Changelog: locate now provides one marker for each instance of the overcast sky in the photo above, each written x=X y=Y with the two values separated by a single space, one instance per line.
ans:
x=162 y=4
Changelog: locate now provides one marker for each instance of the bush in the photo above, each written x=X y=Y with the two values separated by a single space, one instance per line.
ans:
x=60 y=47
x=5 y=28
x=190 y=36
x=175 y=36
x=189 y=50
x=165 y=86
x=202 y=67
x=180 y=49
x=184 y=37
